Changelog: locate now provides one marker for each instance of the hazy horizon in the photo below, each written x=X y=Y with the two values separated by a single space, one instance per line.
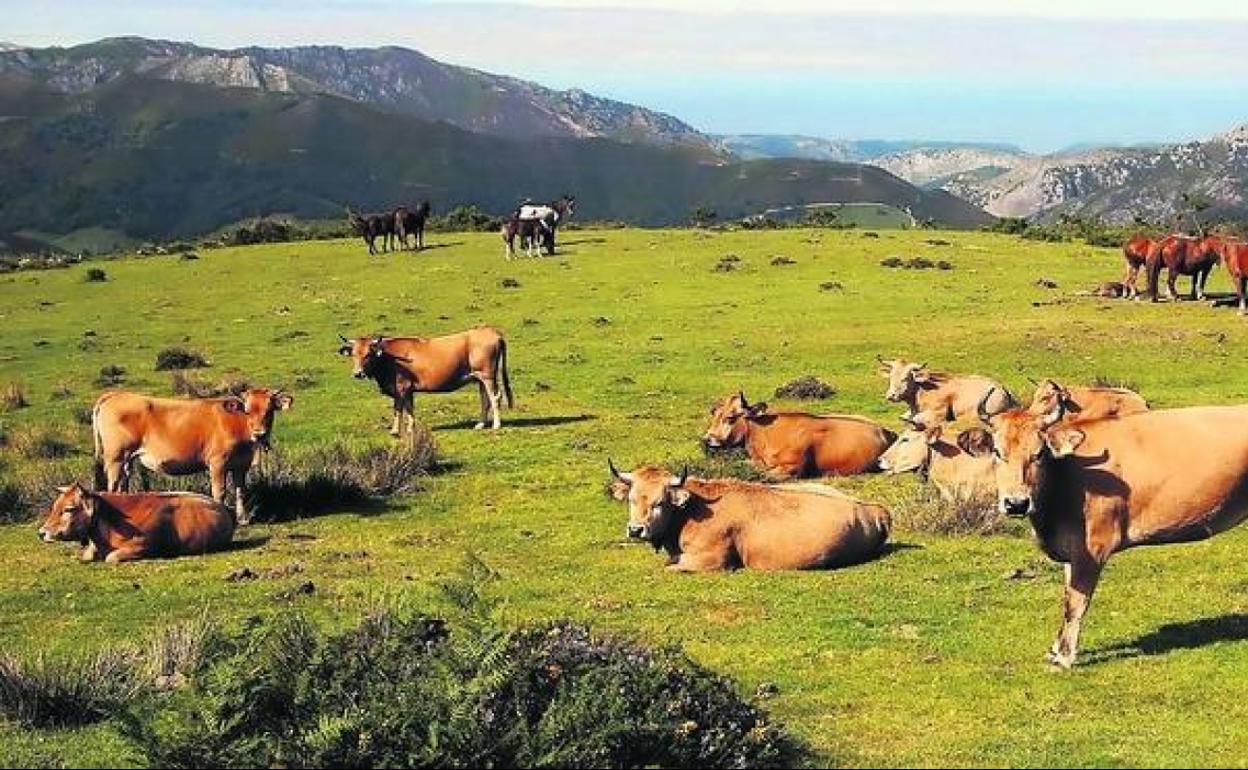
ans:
x=1051 y=76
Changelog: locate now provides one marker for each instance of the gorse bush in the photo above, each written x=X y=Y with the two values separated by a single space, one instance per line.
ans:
x=66 y=691
x=110 y=376
x=806 y=387
x=13 y=397
x=411 y=692
x=96 y=275
x=179 y=358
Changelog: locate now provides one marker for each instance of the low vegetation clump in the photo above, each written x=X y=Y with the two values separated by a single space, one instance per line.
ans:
x=916 y=263
x=183 y=384
x=111 y=376
x=261 y=230
x=66 y=691
x=509 y=283
x=926 y=511
x=13 y=397
x=41 y=443
x=464 y=219
x=179 y=358
x=781 y=261
x=727 y=263
x=337 y=477
x=412 y=691
x=96 y=275
x=806 y=387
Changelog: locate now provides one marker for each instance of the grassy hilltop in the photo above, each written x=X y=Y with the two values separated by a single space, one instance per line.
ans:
x=618 y=346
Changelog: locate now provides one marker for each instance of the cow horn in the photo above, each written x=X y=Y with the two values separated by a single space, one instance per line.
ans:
x=741 y=395
x=345 y=341
x=680 y=482
x=627 y=478
x=880 y=358
x=913 y=423
x=982 y=408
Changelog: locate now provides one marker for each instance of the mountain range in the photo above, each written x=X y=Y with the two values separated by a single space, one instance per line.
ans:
x=161 y=139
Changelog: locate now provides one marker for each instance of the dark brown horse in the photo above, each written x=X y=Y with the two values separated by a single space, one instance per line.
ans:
x=1183 y=255
x=411 y=222
x=372 y=226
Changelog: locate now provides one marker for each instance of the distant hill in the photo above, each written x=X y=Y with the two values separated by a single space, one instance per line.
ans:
x=752 y=146
x=155 y=156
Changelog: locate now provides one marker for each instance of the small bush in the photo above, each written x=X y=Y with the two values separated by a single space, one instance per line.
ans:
x=96 y=275
x=111 y=376
x=727 y=264
x=13 y=397
x=806 y=387
x=1105 y=381
x=831 y=286
x=781 y=261
x=37 y=443
x=61 y=692
x=509 y=283
x=926 y=511
x=916 y=263
x=179 y=358
x=183 y=384
x=62 y=391
x=722 y=464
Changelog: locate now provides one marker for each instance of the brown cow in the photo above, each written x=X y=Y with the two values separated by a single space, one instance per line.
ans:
x=1097 y=487
x=184 y=436
x=794 y=444
x=959 y=470
x=936 y=397
x=1235 y=260
x=1136 y=251
x=725 y=523
x=1086 y=403
x=119 y=527
x=1183 y=255
x=405 y=366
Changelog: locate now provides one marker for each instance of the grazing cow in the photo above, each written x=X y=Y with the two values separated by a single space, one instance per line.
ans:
x=1136 y=252
x=1183 y=255
x=935 y=397
x=794 y=444
x=1086 y=403
x=405 y=366
x=411 y=222
x=717 y=524
x=371 y=227
x=120 y=527
x=1235 y=259
x=184 y=436
x=1096 y=487
x=961 y=471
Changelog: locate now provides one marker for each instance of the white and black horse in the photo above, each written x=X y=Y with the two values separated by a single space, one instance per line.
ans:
x=536 y=225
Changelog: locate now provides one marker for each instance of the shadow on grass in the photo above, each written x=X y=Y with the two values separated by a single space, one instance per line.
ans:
x=246 y=543
x=1188 y=635
x=432 y=246
x=579 y=241
x=521 y=422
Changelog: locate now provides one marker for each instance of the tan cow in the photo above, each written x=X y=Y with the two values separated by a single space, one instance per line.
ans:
x=123 y=527
x=726 y=524
x=795 y=444
x=1096 y=487
x=934 y=397
x=183 y=436
x=405 y=366
x=1086 y=403
x=959 y=470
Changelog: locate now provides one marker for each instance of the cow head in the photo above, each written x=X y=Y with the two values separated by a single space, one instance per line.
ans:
x=1049 y=395
x=655 y=498
x=366 y=353
x=1024 y=444
x=911 y=451
x=728 y=421
x=70 y=515
x=904 y=378
x=259 y=406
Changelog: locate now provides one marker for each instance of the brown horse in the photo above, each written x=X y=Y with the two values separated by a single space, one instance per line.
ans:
x=1136 y=253
x=1183 y=255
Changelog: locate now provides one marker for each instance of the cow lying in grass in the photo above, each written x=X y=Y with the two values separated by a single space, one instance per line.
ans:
x=716 y=524
x=933 y=397
x=123 y=527
x=960 y=470
x=1086 y=403
x=794 y=444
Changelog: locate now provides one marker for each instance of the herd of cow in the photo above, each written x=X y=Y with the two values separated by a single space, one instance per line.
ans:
x=1093 y=468
x=1183 y=255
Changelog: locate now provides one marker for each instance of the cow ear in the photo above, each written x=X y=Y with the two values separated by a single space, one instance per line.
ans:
x=619 y=490
x=758 y=408
x=1063 y=441
x=919 y=375
x=679 y=496
x=344 y=350
x=285 y=401
x=234 y=406
x=976 y=442
x=932 y=434
x=88 y=504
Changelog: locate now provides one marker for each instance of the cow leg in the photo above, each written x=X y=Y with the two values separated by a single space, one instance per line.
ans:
x=216 y=475
x=492 y=391
x=115 y=475
x=703 y=561
x=129 y=553
x=396 y=429
x=1082 y=574
x=88 y=553
x=239 y=479
x=485 y=405
x=409 y=406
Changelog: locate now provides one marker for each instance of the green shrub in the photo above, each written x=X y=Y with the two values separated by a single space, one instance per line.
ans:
x=96 y=275
x=179 y=358
x=59 y=692
x=110 y=376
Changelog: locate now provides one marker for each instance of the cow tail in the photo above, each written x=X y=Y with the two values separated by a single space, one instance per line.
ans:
x=502 y=365
x=101 y=480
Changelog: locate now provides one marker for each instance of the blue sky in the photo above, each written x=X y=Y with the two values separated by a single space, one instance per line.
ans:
x=1039 y=74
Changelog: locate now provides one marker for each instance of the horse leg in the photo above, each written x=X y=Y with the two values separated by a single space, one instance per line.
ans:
x=1241 y=288
x=1172 y=276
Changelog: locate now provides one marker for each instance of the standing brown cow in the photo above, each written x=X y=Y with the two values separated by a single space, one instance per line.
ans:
x=184 y=436
x=1183 y=255
x=935 y=397
x=405 y=366
x=716 y=524
x=1136 y=252
x=1097 y=487
x=793 y=444
x=118 y=527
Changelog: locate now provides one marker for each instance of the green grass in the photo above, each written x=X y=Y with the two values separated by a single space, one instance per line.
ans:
x=928 y=656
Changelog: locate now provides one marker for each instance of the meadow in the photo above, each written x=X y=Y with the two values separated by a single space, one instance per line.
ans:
x=932 y=655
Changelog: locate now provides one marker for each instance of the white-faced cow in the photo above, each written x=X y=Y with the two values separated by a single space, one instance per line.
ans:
x=717 y=524
x=961 y=470
x=1093 y=488
x=121 y=527
x=184 y=436
x=794 y=444
x=405 y=366
x=933 y=397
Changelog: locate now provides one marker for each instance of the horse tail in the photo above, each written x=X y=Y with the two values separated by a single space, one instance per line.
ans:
x=502 y=367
